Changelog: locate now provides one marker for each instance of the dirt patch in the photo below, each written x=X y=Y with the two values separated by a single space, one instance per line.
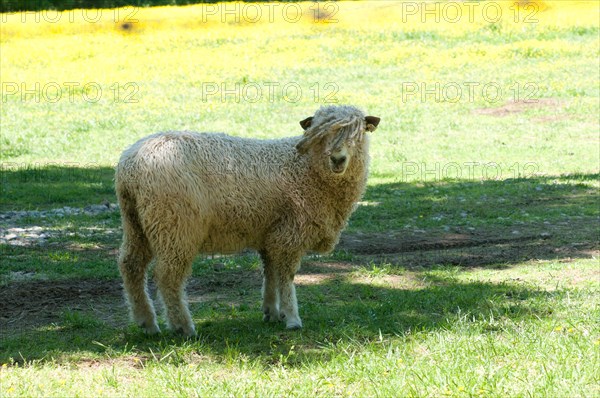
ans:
x=475 y=248
x=225 y=287
x=329 y=268
x=30 y=303
x=35 y=302
x=27 y=301
x=395 y=242
x=313 y=279
x=514 y=107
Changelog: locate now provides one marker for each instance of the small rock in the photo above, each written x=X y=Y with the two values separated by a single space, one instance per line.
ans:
x=10 y=237
x=218 y=266
x=95 y=209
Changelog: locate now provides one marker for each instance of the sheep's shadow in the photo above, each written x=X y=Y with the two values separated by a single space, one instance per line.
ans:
x=335 y=311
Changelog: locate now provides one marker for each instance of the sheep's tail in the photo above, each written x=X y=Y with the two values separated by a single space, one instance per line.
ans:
x=132 y=226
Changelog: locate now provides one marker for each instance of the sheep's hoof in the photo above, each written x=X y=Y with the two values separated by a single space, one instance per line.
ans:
x=294 y=325
x=187 y=331
x=271 y=316
x=152 y=329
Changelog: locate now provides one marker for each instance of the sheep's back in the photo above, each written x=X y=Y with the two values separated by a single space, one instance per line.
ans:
x=233 y=188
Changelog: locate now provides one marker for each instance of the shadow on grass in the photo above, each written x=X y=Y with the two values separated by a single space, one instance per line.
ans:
x=477 y=223
x=409 y=224
x=46 y=186
x=335 y=312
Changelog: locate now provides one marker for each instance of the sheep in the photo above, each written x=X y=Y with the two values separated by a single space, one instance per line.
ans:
x=184 y=193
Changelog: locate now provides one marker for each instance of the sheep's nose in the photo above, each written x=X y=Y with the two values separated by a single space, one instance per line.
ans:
x=337 y=160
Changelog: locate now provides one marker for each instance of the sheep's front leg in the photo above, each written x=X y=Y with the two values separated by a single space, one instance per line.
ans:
x=270 y=289
x=289 y=303
x=287 y=264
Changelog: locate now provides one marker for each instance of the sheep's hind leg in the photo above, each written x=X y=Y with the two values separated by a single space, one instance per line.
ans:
x=171 y=275
x=270 y=290
x=135 y=255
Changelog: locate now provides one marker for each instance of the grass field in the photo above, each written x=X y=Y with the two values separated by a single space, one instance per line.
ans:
x=470 y=267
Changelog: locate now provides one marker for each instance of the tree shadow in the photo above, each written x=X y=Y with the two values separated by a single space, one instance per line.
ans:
x=335 y=311
x=410 y=225
x=477 y=223
x=37 y=186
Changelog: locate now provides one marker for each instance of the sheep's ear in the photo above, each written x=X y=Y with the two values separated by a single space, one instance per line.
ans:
x=306 y=122
x=372 y=122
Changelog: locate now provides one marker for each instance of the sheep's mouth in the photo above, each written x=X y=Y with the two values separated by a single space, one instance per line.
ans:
x=337 y=168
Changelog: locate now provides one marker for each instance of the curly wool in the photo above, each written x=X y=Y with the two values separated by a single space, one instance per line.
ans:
x=182 y=193
x=345 y=121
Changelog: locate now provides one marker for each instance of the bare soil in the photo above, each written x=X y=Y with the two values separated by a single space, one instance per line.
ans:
x=514 y=107
x=29 y=303
x=26 y=303
x=502 y=246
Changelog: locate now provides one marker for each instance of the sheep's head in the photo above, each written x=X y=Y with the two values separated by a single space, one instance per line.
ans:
x=335 y=134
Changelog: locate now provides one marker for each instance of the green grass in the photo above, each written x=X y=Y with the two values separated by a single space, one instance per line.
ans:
x=470 y=267
x=450 y=331
x=43 y=186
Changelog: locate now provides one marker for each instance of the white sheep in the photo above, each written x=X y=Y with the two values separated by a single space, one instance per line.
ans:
x=183 y=193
